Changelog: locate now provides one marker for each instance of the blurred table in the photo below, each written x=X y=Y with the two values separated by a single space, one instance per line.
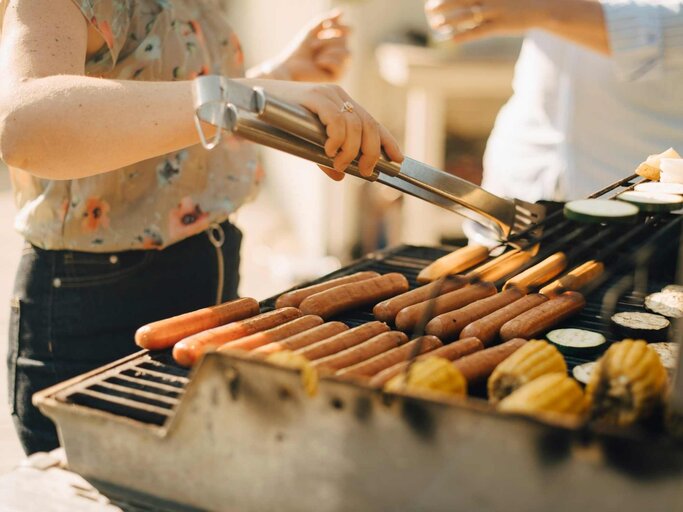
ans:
x=433 y=79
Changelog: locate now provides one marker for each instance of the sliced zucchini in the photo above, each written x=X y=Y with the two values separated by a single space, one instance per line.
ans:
x=577 y=342
x=584 y=372
x=678 y=288
x=666 y=303
x=600 y=210
x=668 y=354
x=655 y=203
x=643 y=326
x=656 y=187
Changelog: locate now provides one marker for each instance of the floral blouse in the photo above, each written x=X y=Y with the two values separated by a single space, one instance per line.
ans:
x=160 y=201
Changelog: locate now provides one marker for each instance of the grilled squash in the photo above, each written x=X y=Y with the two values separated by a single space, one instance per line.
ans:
x=628 y=383
x=432 y=374
x=288 y=359
x=534 y=359
x=553 y=393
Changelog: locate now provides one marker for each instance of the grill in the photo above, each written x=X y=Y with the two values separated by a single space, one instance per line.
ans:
x=238 y=434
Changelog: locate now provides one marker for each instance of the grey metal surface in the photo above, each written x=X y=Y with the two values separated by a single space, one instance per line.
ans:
x=246 y=437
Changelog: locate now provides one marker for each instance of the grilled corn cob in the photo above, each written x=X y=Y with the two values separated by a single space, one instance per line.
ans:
x=551 y=393
x=288 y=359
x=432 y=374
x=628 y=384
x=534 y=359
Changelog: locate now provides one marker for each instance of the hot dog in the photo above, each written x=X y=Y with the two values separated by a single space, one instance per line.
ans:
x=575 y=279
x=278 y=333
x=166 y=333
x=487 y=328
x=453 y=263
x=343 y=341
x=543 y=317
x=354 y=295
x=366 y=350
x=449 y=325
x=453 y=351
x=390 y=358
x=501 y=266
x=477 y=367
x=187 y=351
x=304 y=339
x=295 y=297
x=409 y=317
x=386 y=311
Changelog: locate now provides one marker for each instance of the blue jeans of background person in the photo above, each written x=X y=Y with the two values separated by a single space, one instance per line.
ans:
x=75 y=311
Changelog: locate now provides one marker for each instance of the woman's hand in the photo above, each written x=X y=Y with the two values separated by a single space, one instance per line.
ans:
x=579 y=21
x=318 y=54
x=351 y=131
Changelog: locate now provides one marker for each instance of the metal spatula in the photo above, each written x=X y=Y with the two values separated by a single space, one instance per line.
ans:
x=263 y=119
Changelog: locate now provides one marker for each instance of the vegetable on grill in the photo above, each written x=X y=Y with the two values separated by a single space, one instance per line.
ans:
x=553 y=393
x=638 y=325
x=430 y=375
x=577 y=342
x=600 y=210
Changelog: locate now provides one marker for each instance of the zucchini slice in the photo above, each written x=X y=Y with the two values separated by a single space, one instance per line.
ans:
x=656 y=187
x=584 y=372
x=577 y=342
x=643 y=326
x=667 y=303
x=600 y=210
x=655 y=203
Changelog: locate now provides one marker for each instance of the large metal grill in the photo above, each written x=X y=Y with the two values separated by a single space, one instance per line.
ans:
x=256 y=419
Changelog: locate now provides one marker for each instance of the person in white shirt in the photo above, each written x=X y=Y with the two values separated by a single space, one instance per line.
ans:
x=597 y=88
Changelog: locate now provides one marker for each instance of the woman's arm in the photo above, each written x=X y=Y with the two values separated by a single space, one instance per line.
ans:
x=58 y=124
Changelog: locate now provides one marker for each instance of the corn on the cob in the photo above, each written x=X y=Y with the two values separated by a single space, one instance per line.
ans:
x=534 y=359
x=288 y=359
x=432 y=374
x=628 y=384
x=551 y=393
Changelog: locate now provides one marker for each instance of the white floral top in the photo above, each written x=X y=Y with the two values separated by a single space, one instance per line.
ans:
x=154 y=203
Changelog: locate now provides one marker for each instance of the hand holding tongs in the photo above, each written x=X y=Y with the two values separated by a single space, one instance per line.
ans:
x=254 y=115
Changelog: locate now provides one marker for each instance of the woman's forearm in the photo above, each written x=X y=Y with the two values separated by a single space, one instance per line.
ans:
x=580 y=21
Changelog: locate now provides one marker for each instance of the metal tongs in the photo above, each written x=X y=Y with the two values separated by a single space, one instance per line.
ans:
x=254 y=115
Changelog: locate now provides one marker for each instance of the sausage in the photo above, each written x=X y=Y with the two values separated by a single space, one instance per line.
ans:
x=386 y=311
x=500 y=267
x=453 y=263
x=451 y=352
x=478 y=367
x=408 y=318
x=166 y=333
x=543 y=317
x=391 y=357
x=366 y=350
x=295 y=297
x=540 y=273
x=187 y=351
x=303 y=339
x=575 y=279
x=354 y=295
x=278 y=333
x=487 y=328
x=449 y=325
x=343 y=341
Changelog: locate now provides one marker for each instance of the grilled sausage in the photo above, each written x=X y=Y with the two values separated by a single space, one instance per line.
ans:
x=386 y=311
x=166 y=333
x=409 y=317
x=354 y=295
x=187 y=351
x=296 y=297
x=343 y=341
x=487 y=328
x=454 y=263
x=391 y=357
x=451 y=352
x=304 y=339
x=500 y=267
x=366 y=350
x=575 y=279
x=540 y=273
x=478 y=367
x=543 y=317
x=278 y=333
x=449 y=325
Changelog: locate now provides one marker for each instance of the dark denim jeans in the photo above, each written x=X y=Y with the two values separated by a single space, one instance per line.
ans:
x=75 y=311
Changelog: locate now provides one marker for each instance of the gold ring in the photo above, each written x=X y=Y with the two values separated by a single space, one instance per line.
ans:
x=347 y=107
x=477 y=14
